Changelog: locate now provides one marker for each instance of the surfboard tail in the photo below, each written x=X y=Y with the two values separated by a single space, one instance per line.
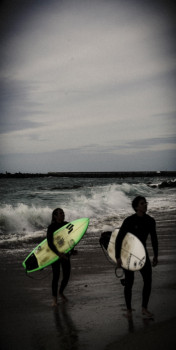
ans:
x=105 y=238
x=30 y=263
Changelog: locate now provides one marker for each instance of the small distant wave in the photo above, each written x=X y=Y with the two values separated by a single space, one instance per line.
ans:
x=164 y=184
x=22 y=241
x=58 y=188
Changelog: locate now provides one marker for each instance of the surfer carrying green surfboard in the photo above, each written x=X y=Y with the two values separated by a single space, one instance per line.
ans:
x=58 y=217
x=141 y=225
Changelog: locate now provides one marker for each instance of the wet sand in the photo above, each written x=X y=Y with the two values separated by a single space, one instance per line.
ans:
x=93 y=318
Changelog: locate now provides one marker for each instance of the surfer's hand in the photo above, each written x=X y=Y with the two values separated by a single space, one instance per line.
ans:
x=63 y=256
x=155 y=261
x=119 y=262
x=74 y=252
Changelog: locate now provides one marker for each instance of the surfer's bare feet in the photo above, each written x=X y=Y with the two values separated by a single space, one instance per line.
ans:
x=54 y=304
x=146 y=313
x=63 y=297
x=129 y=314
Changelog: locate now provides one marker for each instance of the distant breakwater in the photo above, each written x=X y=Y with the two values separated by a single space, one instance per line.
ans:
x=111 y=174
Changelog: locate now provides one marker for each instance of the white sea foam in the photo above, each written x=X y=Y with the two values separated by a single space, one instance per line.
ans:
x=22 y=218
x=26 y=211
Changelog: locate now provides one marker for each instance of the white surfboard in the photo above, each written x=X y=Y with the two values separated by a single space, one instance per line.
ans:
x=132 y=253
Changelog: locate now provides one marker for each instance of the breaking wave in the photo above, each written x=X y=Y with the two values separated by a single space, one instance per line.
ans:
x=25 y=220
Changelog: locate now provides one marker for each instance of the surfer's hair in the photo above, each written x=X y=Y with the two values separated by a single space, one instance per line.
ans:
x=54 y=214
x=136 y=201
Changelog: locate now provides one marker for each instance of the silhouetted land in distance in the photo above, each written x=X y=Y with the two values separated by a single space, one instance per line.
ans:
x=110 y=174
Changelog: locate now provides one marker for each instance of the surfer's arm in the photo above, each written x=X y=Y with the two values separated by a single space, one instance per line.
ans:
x=51 y=229
x=154 y=240
x=51 y=243
x=54 y=249
x=122 y=232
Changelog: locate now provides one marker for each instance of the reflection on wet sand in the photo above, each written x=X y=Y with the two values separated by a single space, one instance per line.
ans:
x=66 y=331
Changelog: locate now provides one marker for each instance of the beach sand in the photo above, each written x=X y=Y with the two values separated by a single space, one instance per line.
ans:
x=93 y=318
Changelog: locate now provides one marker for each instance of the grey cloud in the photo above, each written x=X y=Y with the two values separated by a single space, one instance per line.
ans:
x=137 y=144
x=17 y=108
x=14 y=125
x=145 y=143
x=171 y=116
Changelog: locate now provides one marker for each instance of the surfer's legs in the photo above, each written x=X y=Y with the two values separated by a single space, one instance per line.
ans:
x=146 y=273
x=55 y=280
x=129 y=280
x=66 y=267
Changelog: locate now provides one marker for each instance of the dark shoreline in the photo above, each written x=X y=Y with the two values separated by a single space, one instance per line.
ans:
x=109 y=174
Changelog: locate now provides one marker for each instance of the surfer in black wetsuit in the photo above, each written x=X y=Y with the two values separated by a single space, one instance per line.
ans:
x=141 y=225
x=57 y=222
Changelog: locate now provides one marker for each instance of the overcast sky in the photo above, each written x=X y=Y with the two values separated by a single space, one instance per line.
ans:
x=87 y=86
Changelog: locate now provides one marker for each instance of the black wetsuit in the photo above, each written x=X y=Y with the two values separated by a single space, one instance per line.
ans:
x=65 y=263
x=141 y=227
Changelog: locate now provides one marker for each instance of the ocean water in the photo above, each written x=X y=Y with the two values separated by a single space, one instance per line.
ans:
x=26 y=205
